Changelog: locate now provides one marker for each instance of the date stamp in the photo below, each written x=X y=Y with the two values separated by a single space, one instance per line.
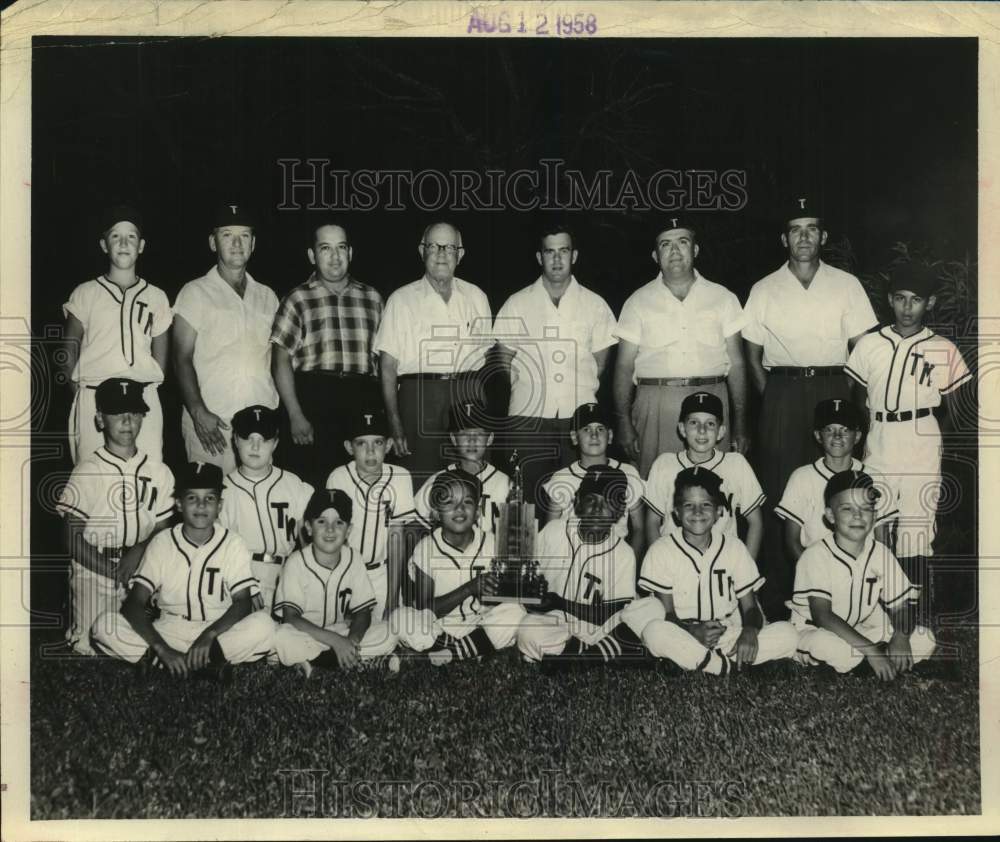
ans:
x=560 y=25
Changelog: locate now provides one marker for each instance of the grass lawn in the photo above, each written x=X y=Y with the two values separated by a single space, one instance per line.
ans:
x=498 y=739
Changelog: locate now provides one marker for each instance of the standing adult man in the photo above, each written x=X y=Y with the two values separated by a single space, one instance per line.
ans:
x=322 y=357
x=679 y=335
x=432 y=341
x=222 y=323
x=554 y=337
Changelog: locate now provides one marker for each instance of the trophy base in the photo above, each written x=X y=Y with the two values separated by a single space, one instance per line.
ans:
x=522 y=600
x=513 y=587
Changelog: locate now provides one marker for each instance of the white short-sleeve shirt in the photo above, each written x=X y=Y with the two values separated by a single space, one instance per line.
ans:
x=118 y=330
x=496 y=489
x=807 y=327
x=680 y=338
x=232 y=354
x=428 y=335
x=563 y=484
x=450 y=568
x=554 y=370
x=266 y=513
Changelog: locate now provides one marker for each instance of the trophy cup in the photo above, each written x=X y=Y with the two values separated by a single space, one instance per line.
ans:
x=514 y=564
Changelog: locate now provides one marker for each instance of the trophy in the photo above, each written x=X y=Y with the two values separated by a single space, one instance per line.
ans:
x=514 y=564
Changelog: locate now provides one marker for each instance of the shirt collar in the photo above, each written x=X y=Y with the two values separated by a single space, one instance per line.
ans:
x=214 y=276
x=696 y=285
x=572 y=289
x=427 y=288
x=315 y=282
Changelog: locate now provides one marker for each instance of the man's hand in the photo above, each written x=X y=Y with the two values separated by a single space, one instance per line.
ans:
x=302 y=430
x=899 y=653
x=707 y=633
x=628 y=438
x=175 y=662
x=198 y=654
x=346 y=651
x=746 y=647
x=399 y=445
x=882 y=666
x=208 y=426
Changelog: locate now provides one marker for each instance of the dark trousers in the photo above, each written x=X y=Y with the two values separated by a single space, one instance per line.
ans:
x=328 y=400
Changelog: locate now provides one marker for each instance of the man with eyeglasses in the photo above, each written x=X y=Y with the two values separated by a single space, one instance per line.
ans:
x=323 y=360
x=679 y=334
x=555 y=337
x=433 y=339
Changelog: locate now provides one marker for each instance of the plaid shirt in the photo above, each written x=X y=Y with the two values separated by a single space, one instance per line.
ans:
x=328 y=332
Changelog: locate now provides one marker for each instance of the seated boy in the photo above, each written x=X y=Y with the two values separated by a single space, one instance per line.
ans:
x=379 y=493
x=261 y=503
x=325 y=598
x=703 y=614
x=451 y=569
x=845 y=584
x=116 y=499
x=838 y=426
x=590 y=571
x=470 y=437
x=701 y=428
x=199 y=573
x=591 y=435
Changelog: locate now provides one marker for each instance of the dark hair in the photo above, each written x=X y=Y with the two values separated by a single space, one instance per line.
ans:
x=698 y=478
x=325 y=222
x=552 y=229
x=441 y=487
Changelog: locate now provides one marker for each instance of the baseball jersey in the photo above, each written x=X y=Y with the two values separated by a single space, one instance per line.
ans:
x=582 y=572
x=906 y=374
x=388 y=498
x=266 y=513
x=118 y=330
x=120 y=500
x=323 y=596
x=450 y=568
x=705 y=584
x=858 y=588
x=496 y=487
x=563 y=484
x=195 y=582
x=802 y=500
x=739 y=485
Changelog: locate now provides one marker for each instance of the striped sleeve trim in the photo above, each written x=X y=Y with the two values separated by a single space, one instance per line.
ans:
x=755 y=505
x=409 y=514
x=165 y=513
x=138 y=579
x=787 y=514
x=281 y=606
x=650 y=585
x=965 y=378
x=910 y=594
x=652 y=507
x=243 y=584
x=850 y=372
x=66 y=508
x=804 y=595
x=756 y=584
x=363 y=606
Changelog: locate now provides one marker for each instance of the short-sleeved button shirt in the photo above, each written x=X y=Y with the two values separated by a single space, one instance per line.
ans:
x=807 y=327
x=496 y=489
x=802 y=500
x=266 y=513
x=705 y=584
x=739 y=485
x=119 y=500
x=196 y=582
x=428 y=335
x=906 y=373
x=118 y=330
x=860 y=589
x=564 y=483
x=326 y=597
x=554 y=370
x=680 y=338
x=232 y=354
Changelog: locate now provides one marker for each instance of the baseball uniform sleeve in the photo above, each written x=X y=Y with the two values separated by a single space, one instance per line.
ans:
x=163 y=316
x=812 y=576
x=605 y=325
x=622 y=577
x=80 y=302
x=402 y=496
x=860 y=316
x=422 y=502
x=857 y=362
x=158 y=552
x=237 y=576
x=792 y=505
x=421 y=558
x=751 y=495
x=753 y=313
x=655 y=574
x=339 y=479
x=286 y=331
x=362 y=593
x=77 y=495
x=657 y=495
x=897 y=589
x=957 y=371
x=887 y=505
x=746 y=576
x=636 y=487
x=291 y=587
x=732 y=318
x=165 y=503
x=629 y=325
x=191 y=306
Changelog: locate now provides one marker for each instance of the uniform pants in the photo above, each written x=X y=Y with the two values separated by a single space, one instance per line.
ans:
x=85 y=438
x=819 y=646
x=655 y=413
x=196 y=453
x=297 y=647
x=547 y=634
x=543 y=446
x=907 y=455
x=267 y=574
x=248 y=640
x=420 y=629
x=91 y=595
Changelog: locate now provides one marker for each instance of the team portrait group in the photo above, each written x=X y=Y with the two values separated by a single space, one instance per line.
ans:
x=776 y=495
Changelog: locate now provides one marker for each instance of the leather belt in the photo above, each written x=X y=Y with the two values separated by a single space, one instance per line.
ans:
x=681 y=381
x=346 y=375
x=429 y=376
x=805 y=371
x=267 y=558
x=905 y=415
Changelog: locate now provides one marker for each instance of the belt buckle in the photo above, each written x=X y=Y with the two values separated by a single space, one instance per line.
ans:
x=266 y=558
x=809 y=371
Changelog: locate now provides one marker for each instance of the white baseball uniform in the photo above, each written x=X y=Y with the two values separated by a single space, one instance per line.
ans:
x=375 y=504
x=328 y=598
x=193 y=586
x=496 y=488
x=563 y=484
x=118 y=330
x=860 y=591
x=120 y=501
x=267 y=514
x=705 y=585
x=739 y=485
x=578 y=572
x=802 y=500
x=450 y=568
x=908 y=376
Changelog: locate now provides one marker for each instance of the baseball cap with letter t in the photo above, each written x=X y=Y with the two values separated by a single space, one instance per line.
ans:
x=329 y=498
x=701 y=402
x=847 y=481
x=119 y=394
x=198 y=475
x=801 y=207
x=466 y=416
x=256 y=419
x=368 y=422
x=590 y=413
x=913 y=277
x=231 y=215
x=838 y=411
x=607 y=482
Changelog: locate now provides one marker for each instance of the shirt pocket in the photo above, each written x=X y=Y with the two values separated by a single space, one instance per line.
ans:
x=708 y=330
x=659 y=332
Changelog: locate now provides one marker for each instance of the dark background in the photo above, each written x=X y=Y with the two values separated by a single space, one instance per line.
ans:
x=881 y=131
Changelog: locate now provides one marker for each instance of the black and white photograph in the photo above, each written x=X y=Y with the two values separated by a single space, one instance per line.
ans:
x=510 y=411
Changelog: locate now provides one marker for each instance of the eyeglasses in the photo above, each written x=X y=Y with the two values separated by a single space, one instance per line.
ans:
x=448 y=248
